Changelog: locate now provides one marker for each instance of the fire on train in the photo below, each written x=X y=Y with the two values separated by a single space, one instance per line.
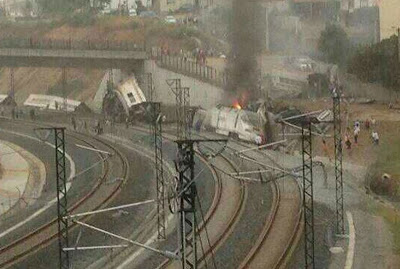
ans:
x=233 y=122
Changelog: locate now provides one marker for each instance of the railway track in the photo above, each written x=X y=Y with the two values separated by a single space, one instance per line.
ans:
x=42 y=236
x=264 y=239
x=272 y=231
x=285 y=203
x=226 y=220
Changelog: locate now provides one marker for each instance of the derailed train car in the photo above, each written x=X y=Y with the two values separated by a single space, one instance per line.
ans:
x=130 y=94
x=126 y=101
x=233 y=122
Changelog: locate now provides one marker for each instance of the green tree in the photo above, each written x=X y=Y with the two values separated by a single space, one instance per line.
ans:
x=378 y=63
x=334 y=44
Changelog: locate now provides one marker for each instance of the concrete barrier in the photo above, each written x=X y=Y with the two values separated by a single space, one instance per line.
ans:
x=202 y=94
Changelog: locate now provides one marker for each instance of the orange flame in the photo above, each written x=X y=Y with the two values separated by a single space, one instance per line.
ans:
x=236 y=104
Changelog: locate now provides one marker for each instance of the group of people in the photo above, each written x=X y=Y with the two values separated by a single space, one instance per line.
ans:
x=356 y=132
x=198 y=55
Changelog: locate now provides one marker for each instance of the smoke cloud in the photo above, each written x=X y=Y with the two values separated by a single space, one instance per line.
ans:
x=245 y=39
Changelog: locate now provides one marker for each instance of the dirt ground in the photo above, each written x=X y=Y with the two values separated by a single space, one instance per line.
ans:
x=364 y=152
x=380 y=220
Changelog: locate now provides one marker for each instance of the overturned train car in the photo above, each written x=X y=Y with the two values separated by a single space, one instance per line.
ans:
x=233 y=122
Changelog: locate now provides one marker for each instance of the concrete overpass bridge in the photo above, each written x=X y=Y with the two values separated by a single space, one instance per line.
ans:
x=207 y=82
x=29 y=52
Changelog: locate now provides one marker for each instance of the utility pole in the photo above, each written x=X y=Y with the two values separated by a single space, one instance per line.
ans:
x=110 y=81
x=308 y=194
x=187 y=207
x=61 y=180
x=337 y=136
x=64 y=88
x=160 y=182
x=175 y=86
x=183 y=117
x=187 y=193
x=148 y=81
x=186 y=112
x=62 y=202
x=12 y=83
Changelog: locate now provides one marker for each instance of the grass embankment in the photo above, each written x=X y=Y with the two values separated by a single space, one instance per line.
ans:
x=378 y=159
x=387 y=161
x=392 y=218
x=388 y=158
x=115 y=28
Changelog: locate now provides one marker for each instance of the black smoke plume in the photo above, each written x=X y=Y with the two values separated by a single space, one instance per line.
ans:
x=246 y=39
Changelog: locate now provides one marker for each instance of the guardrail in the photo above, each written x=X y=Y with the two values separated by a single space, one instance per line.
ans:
x=190 y=67
x=69 y=44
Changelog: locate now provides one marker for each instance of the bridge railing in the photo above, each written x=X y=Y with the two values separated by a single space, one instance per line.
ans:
x=190 y=67
x=69 y=44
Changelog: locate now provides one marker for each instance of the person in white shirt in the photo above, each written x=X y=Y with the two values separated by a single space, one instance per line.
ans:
x=258 y=140
x=375 y=137
x=356 y=133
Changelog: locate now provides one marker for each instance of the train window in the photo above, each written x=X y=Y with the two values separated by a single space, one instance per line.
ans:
x=131 y=97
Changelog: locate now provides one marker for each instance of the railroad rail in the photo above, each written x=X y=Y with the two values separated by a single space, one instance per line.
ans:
x=281 y=259
x=281 y=209
x=227 y=229
x=40 y=237
x=276 y=213
x=262 y=240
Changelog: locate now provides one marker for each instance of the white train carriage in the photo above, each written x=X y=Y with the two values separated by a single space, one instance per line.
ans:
x=51 y=102
x=232 y=122
x=130 y=94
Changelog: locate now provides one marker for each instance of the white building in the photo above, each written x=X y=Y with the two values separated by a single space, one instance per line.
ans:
x=114 y=4
x=351 y=5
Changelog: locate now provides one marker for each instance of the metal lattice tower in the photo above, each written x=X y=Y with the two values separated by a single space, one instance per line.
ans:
x=110 y=81
x=64 y=87
x=308 y=195
x=183 y=118
x=175 y=85
x=338 y=164
x=62 y=203
x=187 y=210
x=12 y=83
x=186 y=112
x=148 y=82
x=158 y=153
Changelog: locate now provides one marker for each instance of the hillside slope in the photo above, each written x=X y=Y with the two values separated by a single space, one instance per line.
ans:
x=83 y=83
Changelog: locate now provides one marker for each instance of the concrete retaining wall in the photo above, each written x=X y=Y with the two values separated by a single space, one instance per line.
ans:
x=201 y=93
